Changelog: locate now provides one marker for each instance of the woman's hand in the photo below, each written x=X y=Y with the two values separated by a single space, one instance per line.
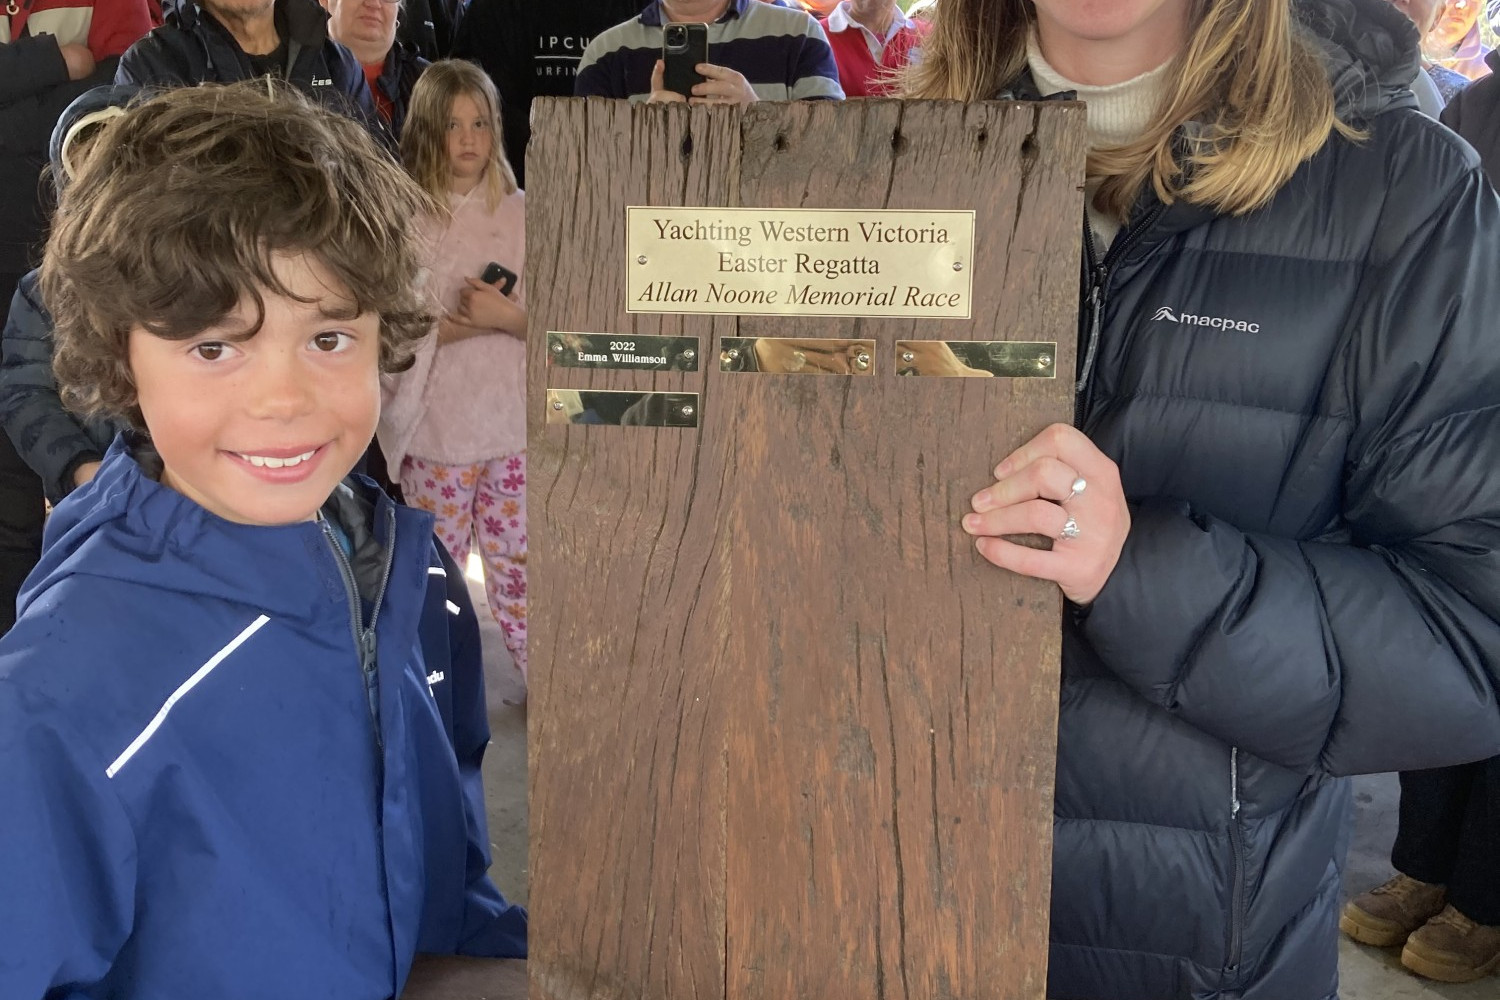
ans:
x=484 y=306
x=1038 y=491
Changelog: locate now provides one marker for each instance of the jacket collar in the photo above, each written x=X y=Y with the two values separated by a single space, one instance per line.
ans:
x=652 y=15
x=839 y=19
x=126 y=526
x=401 y=58
x=306 y=21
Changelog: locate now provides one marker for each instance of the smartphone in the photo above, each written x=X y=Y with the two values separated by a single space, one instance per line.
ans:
x=683 y=46
x=499 y=273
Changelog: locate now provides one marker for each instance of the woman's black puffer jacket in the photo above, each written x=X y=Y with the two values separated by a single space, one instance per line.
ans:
x=1305 y=406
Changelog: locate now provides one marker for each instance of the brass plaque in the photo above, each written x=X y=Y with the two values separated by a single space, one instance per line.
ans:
x=622 y=352
x=607 y=408
x=800 y=262
x=796 y=356
x=977 y=358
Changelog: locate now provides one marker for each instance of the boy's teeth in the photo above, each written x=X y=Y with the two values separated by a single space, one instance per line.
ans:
x=265 y=462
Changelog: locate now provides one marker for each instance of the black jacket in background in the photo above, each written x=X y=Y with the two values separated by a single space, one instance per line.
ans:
x=34 y=90
x=429 y=26
x=194 y=48
x=403 y=67
x=1474 y=113
x=52 y=441
x=1304 y=404
x=531 y=48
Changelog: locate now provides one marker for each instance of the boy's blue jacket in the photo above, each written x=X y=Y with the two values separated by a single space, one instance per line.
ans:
x=195 y=799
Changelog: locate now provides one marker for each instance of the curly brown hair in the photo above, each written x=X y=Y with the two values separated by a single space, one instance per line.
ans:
x=179 y=209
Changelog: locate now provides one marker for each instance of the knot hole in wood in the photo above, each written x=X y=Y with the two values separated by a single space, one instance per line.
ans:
x=687 y=146
x=898 y=142
x=780 y=142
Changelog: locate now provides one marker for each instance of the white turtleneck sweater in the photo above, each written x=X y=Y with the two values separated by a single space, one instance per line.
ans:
x=1118 y=114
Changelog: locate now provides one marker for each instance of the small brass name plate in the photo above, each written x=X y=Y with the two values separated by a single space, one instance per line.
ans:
x=621 y=352
x=607 y=408
x=796 y=356
x=976 y=358
x=800 y=262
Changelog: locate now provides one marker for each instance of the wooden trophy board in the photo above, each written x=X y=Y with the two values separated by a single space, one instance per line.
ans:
x=790 y=736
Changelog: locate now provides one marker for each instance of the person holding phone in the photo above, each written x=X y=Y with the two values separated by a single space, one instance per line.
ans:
x=750 y=51
x=453 y=427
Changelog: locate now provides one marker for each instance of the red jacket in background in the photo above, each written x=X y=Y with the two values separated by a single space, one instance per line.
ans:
x=34 y=90
x=860 y=72
x=108 y=28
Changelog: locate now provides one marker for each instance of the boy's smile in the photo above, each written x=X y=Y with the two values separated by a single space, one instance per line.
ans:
x=261 y=430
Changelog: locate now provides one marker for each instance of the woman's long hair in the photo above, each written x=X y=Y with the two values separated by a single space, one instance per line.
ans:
x=1256 y=90
x=424 y=137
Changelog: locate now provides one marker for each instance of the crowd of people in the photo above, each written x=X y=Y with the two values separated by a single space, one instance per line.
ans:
x=255 y=245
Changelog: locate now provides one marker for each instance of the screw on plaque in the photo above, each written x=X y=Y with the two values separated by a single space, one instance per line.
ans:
x=958 y=265
x=908 y=356
x=688 y=411
x=557 y=404
x=1044 y=361
x=862 y=361
x=689 y=354
x=641 y=259
x=557 y=348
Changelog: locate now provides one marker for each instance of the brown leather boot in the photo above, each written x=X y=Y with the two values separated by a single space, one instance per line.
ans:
x=1451 y=948
x=1385 y=915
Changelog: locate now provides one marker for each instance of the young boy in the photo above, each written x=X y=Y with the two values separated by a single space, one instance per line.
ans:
x=241 y=720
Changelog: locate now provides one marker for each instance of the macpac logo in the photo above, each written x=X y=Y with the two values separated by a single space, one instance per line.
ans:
x=1165 y=314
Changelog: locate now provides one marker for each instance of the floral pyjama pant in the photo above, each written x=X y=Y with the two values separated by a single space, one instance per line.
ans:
x=483 y=504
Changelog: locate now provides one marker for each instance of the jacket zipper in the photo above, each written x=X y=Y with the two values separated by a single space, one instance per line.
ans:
x=1100 y=271
x=1237 y=868
x=364 y=638
x=364 y=643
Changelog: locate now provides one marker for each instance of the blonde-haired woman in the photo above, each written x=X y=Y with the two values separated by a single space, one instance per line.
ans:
x=1278 y=518
x=453 y=429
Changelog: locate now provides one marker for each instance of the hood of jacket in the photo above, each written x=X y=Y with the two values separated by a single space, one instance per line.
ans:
x=94 y=105
x=1371 y=51
x=124 y=525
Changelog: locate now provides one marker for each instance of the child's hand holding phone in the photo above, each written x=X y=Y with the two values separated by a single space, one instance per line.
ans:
x=497 y=274
x=483 y=305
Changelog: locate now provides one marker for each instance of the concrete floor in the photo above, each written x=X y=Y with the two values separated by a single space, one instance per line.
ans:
x=1368 y=973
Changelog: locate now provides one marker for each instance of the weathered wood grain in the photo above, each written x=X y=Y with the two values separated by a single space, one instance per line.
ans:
x=790 y=735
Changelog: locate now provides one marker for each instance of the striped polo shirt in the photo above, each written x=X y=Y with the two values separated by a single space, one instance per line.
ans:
x=782 y=51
